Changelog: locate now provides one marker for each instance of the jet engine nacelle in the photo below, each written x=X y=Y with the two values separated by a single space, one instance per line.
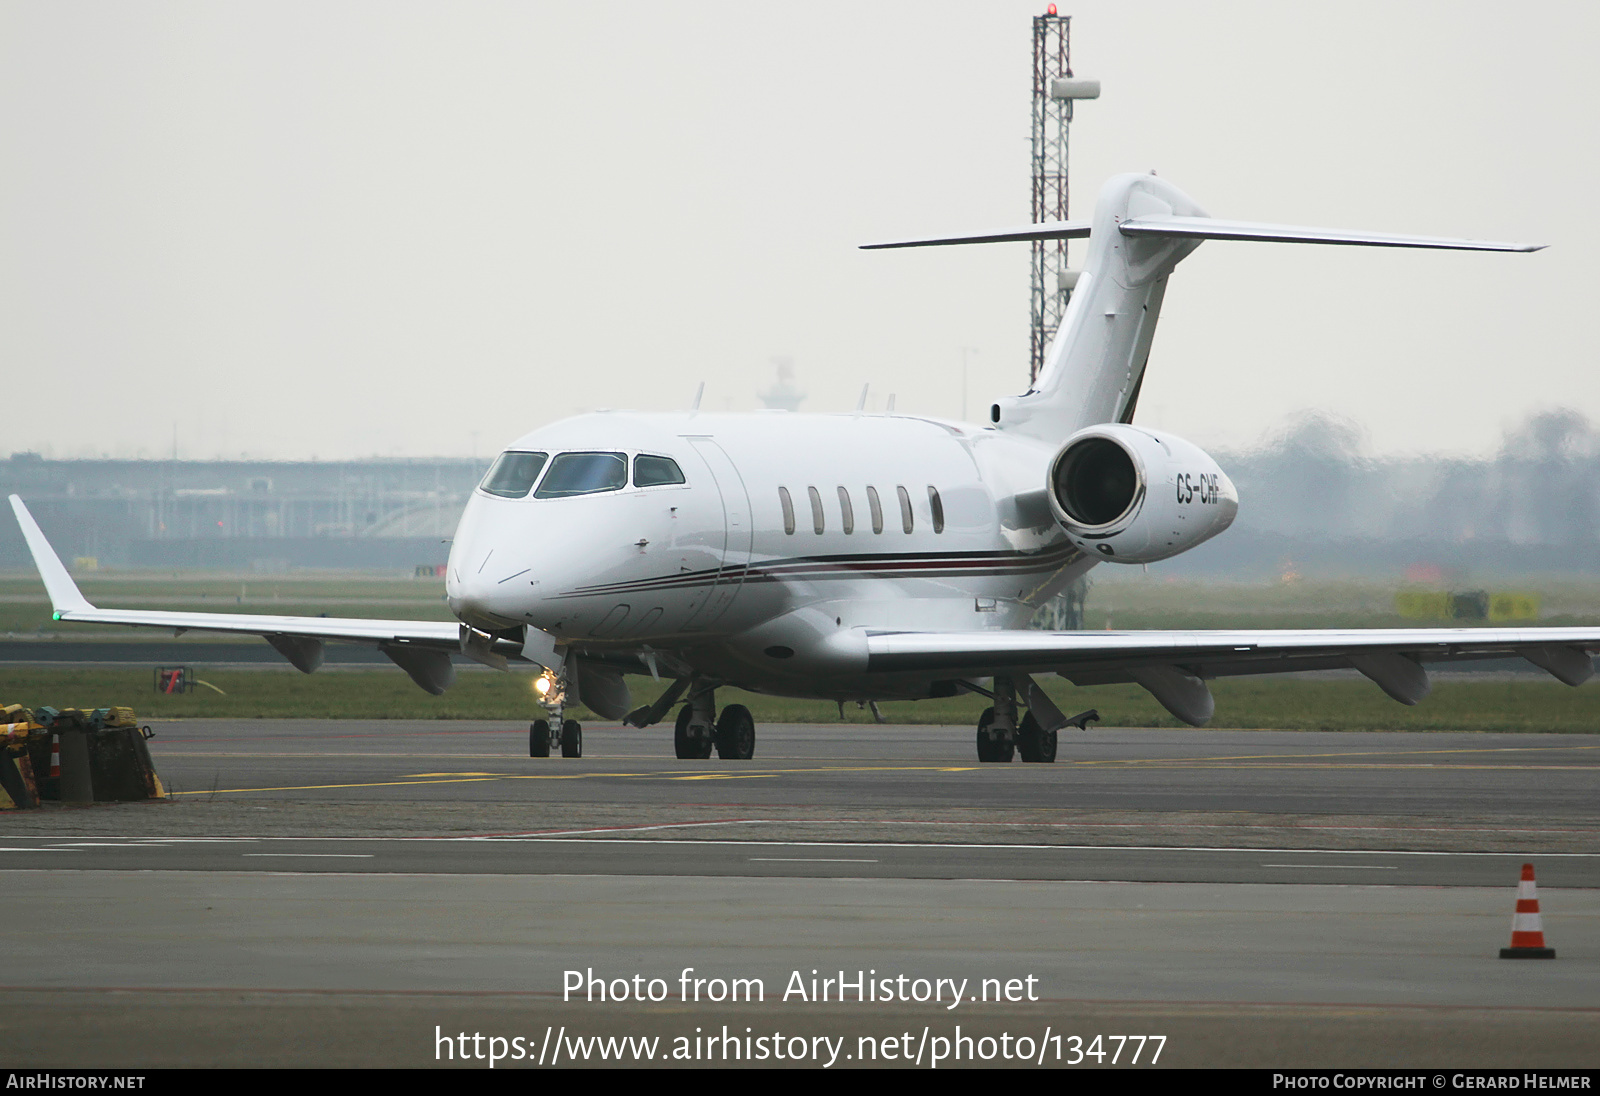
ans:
x=1132 y=495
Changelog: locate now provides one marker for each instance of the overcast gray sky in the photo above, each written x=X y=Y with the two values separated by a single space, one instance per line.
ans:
x=345 y=229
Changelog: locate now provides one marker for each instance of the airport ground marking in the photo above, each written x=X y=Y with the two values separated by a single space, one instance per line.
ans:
x=1334 y=753
x=1032 y=824
x=1339 y=867
x=325 y=787
x=47 y=848
x=480 y=779
x=726 y=776
x=706 y=774
x=1374 y=765
x=1258 y=851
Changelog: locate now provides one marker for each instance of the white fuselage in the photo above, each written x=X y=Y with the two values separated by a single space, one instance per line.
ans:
x=716 y=574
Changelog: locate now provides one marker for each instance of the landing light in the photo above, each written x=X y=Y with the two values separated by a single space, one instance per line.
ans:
x=543 y=684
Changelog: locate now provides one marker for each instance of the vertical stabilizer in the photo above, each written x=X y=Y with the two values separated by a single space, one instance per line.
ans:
x=1096 y=361
x=1142 y=228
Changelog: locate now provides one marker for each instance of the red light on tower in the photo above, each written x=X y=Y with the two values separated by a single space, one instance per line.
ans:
x=1051 y=10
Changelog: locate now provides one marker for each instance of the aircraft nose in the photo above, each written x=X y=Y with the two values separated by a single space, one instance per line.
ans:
x=472 y=586
x=485 y=601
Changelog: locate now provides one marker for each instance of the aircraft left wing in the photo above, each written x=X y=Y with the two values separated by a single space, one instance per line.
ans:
x=1174 y=666
x=420 y=647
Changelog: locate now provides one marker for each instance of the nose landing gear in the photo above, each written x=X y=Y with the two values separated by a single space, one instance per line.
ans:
x=542 y=733
x=541 y=737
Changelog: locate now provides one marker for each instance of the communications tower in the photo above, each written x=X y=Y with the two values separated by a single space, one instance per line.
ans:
x=1054 y=91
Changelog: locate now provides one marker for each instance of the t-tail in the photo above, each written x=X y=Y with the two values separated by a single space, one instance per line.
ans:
x=1143 y=227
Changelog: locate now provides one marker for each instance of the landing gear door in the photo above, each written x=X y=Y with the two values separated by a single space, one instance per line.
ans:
x=737 y=526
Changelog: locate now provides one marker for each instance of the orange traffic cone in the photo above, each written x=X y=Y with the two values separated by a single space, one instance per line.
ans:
x=1527 y=935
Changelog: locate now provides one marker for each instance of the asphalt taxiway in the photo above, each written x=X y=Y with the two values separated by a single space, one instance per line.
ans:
x=333 y=893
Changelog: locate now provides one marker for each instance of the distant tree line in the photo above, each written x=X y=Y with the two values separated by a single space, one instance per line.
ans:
x=1541 y=488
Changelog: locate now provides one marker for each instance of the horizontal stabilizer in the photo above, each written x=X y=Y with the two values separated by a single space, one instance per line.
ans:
x=1210 y=228
x=1048 y=230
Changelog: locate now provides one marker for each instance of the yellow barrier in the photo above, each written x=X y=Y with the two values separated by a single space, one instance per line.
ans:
x=103 y=757
x=1466 y=605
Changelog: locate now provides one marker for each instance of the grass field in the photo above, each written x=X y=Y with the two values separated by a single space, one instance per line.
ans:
x=1129 y=598
x=1531 y=704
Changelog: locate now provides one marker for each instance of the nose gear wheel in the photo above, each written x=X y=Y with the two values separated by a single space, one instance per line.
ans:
x=571 y=739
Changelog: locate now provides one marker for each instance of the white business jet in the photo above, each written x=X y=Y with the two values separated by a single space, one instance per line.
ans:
x=863 y=556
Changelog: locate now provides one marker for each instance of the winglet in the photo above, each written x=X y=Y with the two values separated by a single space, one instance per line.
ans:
x=65 y=597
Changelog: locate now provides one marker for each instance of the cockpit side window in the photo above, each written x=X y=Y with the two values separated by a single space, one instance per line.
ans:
x=513 y=474
x=583 y=474
x=655 y=471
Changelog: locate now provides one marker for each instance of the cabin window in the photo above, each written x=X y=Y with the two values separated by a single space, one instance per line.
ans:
x=877 y=509
x=937 y=506
x=583 y=474
x=905 y=508
x=513 y=474
x=788 y=510
x=816 y=510
x=655 y=471
x=847 y=513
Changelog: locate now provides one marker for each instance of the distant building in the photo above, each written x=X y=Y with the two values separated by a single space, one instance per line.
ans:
x=240 y=515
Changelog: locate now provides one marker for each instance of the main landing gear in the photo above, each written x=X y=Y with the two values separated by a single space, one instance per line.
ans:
x=698 y=729
x=1002 y=735
x=1025 y=737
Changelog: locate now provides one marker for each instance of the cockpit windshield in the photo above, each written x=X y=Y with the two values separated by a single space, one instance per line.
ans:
x=513 y=474
x=655 y=471
x=583 y=474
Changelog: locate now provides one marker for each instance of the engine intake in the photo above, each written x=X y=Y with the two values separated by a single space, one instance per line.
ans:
x=1132 y=495
x=1096 y=482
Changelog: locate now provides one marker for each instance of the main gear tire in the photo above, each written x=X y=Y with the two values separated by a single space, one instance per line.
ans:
x=736 y=733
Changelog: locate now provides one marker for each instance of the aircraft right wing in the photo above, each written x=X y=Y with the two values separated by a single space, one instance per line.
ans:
x=1174 y=666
